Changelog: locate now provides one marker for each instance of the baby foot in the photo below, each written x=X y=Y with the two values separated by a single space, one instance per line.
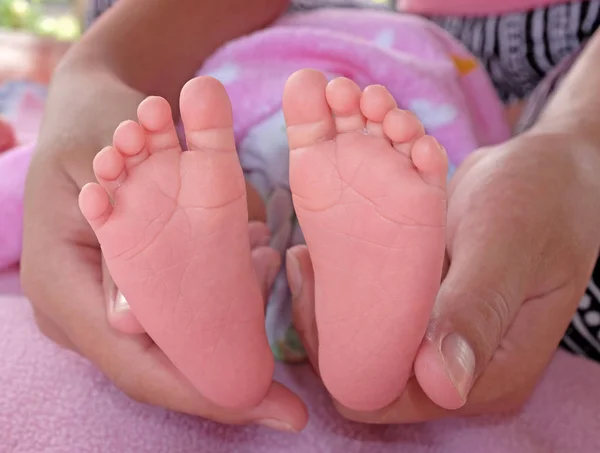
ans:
x=369 y=192
x=175 y=239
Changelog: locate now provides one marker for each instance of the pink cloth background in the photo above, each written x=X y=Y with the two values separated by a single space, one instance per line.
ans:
x=54 y=401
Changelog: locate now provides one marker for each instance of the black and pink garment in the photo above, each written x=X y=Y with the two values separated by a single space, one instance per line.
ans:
x=518 y=50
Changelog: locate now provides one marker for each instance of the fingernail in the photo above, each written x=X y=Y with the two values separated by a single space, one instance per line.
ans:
x=120 y=303
x=459 y=362
x=294 y=274
x=277 y=425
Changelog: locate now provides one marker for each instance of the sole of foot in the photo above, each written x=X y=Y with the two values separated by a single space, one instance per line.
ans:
x=173 y=227
x=369 y=190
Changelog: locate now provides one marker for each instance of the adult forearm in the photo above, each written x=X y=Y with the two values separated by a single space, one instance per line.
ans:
x=84 y=106
x=575 y=107
x=156 y=46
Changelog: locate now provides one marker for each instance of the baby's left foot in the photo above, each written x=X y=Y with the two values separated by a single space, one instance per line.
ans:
x=369 y=189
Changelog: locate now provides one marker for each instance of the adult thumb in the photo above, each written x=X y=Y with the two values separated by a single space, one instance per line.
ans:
x=477 y=302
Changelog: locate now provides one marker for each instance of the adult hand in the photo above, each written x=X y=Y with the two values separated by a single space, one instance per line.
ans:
x=522 y=242
x=62 y=274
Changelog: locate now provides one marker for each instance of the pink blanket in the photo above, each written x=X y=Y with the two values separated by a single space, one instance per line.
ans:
x=54 y=401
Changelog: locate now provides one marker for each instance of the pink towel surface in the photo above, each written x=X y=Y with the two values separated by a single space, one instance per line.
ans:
x=54 y=401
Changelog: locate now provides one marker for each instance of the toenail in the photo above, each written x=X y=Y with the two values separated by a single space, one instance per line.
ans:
x=277 y=425
x=120 y=303
x=294 y=274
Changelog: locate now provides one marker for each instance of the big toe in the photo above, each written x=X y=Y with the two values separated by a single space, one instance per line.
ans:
x=207 y=115
x=307 y=114
x=204 y=104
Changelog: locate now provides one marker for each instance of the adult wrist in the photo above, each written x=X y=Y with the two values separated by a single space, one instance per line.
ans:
x=84 y=106
x=569 y=159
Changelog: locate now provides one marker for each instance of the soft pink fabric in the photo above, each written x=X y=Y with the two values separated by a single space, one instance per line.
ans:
x=54 y=401
x=472 y=7
x=13 y=170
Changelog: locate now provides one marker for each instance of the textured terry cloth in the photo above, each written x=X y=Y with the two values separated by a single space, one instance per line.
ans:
x=426 y=70
x=56 y=402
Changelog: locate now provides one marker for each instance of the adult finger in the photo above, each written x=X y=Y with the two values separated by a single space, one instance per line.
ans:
x=473 y=311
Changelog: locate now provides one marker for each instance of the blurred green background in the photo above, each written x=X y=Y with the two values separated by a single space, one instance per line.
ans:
x=60 y=19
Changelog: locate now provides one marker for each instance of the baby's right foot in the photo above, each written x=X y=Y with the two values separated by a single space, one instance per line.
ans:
x=176 y=242
x=369 y=191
